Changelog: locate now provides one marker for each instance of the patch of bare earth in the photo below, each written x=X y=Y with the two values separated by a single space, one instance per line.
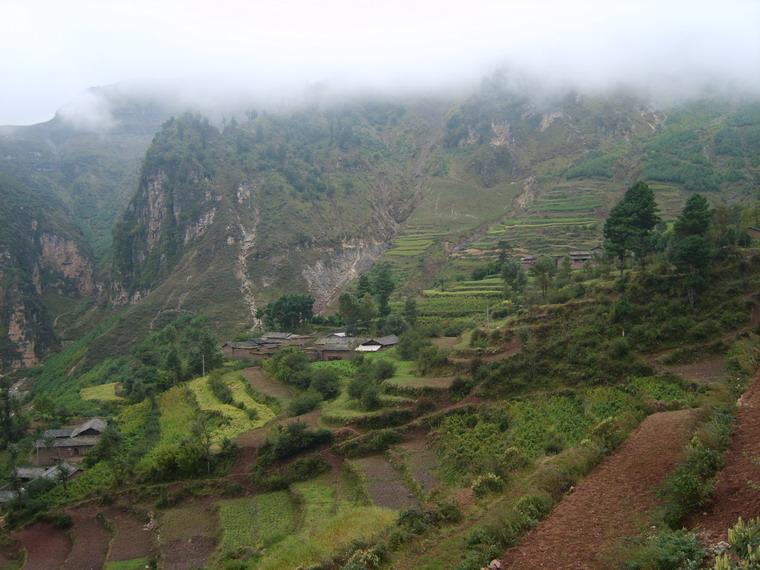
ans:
x=737 y=490
x=384 y=484
x=90 y=540
x=46 y=546
x=445 y=342
x=132 y=539
x=611 y=502
x=704 y=371
x=187 y=536
x=422 y=462
x=262 y=383
x=188 y=554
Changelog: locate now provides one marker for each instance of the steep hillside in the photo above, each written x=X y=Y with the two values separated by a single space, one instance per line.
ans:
x=63 y=184
x=227 y=219
x=223 y=218
x=46 y=266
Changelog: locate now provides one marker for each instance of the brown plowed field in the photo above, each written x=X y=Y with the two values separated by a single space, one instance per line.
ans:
x=610 y=503
x=90 y=541
x=737 y=491
x=131 y=539
x=46 y=546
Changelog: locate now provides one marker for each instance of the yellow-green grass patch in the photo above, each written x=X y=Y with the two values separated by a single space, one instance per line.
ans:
x=237 y=420
x=330 y=524
x=102 y=392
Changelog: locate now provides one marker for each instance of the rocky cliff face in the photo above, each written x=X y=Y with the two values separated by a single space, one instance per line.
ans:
x=44 y=260
x=277 y=204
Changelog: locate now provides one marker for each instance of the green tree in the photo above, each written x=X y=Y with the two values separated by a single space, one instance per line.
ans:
x=292 y=366
x=695 y=218
x=691 y=248
x=382 y=286
x=173 y=364
x=543 y=273
x=514 y=275
x=410 y=310
x=326 y=382
x=629 y=227
x=207 y=356
x=367 y=312
x=288 y=312
x=364 y=286
x=349 y=310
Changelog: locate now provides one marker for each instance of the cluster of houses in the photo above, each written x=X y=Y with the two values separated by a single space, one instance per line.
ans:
x=335 y=346
x=57 y=454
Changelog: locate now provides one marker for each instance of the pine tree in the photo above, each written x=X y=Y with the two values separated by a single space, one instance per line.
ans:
x=691 y=248
x=628 y=229
x=695 y=217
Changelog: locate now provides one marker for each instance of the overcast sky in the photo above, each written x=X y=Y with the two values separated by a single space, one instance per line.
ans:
x=52 y=50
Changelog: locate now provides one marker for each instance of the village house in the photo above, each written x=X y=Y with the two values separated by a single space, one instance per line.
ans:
x=71 y=443
x=578 y=259
x=26 y=474
x=528 y=260
x=264 y=346
x=377 y=344
x=338 y=346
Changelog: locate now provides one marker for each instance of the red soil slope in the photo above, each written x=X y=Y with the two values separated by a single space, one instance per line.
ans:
x=737 y=491
x=610 y=503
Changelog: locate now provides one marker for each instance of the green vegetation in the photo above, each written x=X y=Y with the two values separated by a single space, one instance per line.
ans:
x=234 y=419
x=252 y=525
x=330 y=524
x=135 y=564
x=102 y=393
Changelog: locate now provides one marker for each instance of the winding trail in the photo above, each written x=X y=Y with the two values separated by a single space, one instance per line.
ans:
x=610 y=503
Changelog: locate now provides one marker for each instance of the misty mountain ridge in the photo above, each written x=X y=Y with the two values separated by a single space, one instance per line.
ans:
x=224 y=215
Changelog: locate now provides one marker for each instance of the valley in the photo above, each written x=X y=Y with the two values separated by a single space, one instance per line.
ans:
x=527 y=335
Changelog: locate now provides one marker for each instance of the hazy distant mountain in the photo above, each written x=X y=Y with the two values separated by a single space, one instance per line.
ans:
x=225 y=217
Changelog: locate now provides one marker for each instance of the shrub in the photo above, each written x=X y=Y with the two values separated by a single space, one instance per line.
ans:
x=291 y=365
x=294 y=438
x=306 y=468
x=372 y=442
x=383 y=369
x=668 y=549
x=744 y=536
x=326 y=382
x=410 y=344
x=370 y=398
x=486 y=484
x=304 y=403
x=534 y=507
x=219 y=387
x=691 y=483
x=461 y=387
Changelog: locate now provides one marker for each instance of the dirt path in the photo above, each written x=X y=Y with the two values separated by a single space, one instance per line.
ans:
x=264 y=384
x=737 y=492
x=609 y=504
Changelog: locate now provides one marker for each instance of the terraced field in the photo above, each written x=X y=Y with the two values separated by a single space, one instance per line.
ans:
x=237 y=420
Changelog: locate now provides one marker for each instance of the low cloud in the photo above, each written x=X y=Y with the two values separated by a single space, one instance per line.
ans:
x=89 y=111
x=276 y=51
